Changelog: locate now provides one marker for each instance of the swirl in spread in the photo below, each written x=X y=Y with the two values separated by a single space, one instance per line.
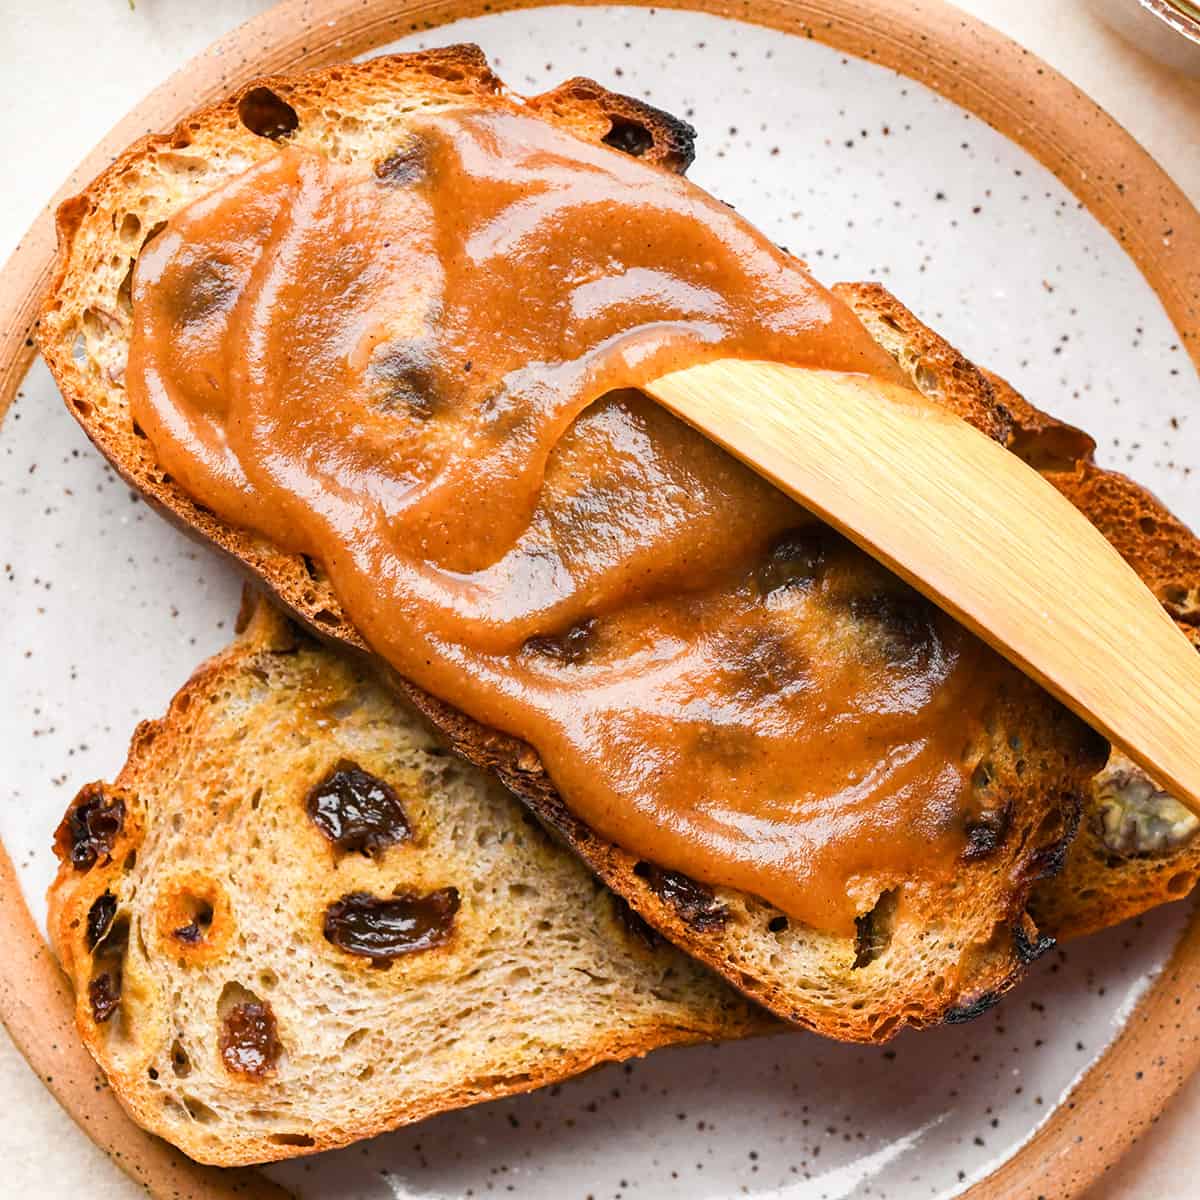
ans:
x=422 y=372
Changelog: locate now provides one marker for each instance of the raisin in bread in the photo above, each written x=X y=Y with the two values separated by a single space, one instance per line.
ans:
x=294 y=920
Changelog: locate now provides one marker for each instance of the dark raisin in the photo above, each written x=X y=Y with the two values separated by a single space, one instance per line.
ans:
x=569 y=647
x=90 y=828
x=905 y=621
x=249 y=1041
x=100 y=918
x=208 y=288
x=404 y=378
x=693 y=901
x=795 y=559
x=986 y=832
x=630 y=137
x=382 y=928
x=104 y=992
x=402 y=166
x=357 y=811
x=189 y=934
x=267 y=114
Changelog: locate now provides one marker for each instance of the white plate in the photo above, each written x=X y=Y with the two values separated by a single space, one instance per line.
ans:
x=868 y=175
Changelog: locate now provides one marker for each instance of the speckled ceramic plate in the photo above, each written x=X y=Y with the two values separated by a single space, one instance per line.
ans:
x=867 y=174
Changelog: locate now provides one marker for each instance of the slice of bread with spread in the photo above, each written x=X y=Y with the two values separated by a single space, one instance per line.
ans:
x=294 y=920
x=1137 y=846
x=924 y=952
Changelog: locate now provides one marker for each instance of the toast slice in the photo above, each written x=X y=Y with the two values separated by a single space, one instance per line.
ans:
x=293 y=920
x=924 y=952
x=1137 y=846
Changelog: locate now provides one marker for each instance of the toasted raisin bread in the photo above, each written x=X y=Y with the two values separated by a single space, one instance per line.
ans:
x=294 y=920
x=1137 y=846
x=924 y=952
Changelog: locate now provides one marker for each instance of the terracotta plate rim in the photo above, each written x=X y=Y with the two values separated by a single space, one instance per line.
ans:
x=931 y=42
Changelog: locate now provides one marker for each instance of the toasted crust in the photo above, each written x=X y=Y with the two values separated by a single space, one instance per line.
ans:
x=1137 y=847
x=926 y=952
x=544 y=974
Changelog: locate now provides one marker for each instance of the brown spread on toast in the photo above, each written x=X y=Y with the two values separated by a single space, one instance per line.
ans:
x=424 y=377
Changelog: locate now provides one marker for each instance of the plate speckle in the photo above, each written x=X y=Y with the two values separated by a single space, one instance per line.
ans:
x=865 y=174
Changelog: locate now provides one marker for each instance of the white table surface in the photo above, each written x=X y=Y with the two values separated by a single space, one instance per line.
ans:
x=72 y=68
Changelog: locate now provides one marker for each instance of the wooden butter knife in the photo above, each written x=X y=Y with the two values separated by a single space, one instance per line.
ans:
x=975 y=529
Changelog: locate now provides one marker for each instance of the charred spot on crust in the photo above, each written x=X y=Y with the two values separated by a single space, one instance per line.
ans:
x=249 y=1039
x=873 y=930
x=635 y=127
x=1028 y=949
x=405 y=378
x=794 y=560
x=100 y=918
x=634 y=924
x=267 y=114
x=569 y=647
x=357 y=811
x=987 y=831
x=384 y=928
x=90 y=828
x=968 y=1011
x=406 y=165
x=642 y=130
x=630 y=137
x=693 y=901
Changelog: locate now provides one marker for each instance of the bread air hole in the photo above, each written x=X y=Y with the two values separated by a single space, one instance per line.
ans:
x=291 y=1139
x=267 y=114
x=630 y=137
x=199 y=1111
x=873 y=930
x=131 y=227
x=181 y=1065
x=192 y=915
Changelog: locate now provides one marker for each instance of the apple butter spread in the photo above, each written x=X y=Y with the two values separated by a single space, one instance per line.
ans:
x=422 y=373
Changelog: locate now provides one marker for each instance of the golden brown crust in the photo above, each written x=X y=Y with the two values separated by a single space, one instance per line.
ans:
x=947 y=949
